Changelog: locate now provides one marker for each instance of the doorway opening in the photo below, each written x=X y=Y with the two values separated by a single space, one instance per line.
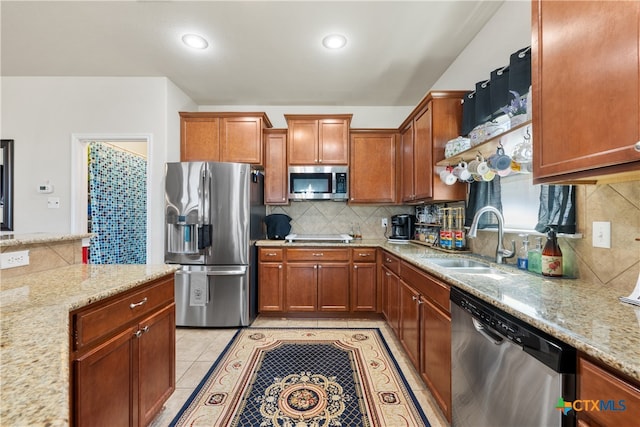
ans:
x=110 y=181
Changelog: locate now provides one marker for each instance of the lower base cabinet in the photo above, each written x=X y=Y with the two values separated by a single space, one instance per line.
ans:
x=618 y=399
x=123 y=357
x=416 y=306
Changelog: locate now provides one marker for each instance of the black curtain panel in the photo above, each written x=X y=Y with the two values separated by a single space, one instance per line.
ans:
x=481 y=194
x=557 y=209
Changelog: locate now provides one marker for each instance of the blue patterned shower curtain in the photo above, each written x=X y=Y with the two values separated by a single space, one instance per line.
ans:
x=117 y=206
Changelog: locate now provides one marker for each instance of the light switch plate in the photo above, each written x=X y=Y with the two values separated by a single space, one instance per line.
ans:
x=53 y=202
x=602 y=234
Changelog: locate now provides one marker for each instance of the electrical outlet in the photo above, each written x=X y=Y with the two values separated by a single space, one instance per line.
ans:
x=14 y=259
x=384 y=222
x=601 y=234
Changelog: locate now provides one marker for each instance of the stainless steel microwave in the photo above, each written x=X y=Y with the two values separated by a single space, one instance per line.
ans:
x=318 y=183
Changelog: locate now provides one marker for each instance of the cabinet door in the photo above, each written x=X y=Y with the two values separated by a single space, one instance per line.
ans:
x=303 y=142
x=408 y=190
x=301 y=290
x=199 y=139
x=586 y=87
x=422 y=155
x=391 y=299
x=373 y=168
x=270 y=287
x=104 y=392
x=363 y=287
x=241 y=140
x=410 y=322
x=333 y=141
x=156 y=366
x=435 y=350
x=333 y=287
x=275 y=168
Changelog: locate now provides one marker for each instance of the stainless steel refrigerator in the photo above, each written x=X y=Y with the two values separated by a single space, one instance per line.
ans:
x=213 y=214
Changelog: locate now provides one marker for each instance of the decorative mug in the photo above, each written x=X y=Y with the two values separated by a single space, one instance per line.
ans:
x=499 y=161
x=478 y=166
x=461 y=171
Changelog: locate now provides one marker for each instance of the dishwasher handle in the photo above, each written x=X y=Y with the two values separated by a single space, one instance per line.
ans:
x=487 y=333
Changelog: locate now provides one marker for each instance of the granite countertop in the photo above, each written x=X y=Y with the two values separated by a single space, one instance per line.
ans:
x=16 y=239
x=583 y=314
x=34 y=340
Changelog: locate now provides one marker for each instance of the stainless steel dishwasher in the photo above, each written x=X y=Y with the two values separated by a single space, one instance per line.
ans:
x=504 y=371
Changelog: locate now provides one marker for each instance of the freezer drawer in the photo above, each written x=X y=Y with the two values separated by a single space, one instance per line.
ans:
x=208 y=296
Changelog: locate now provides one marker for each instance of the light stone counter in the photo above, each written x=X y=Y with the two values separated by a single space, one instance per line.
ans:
x=580 y=313
x=34 y=340
x=17 y=239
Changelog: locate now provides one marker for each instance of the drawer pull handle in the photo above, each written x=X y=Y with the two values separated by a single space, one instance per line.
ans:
x=318 y=254
x=271 y=254
x=363 y=255
x=138 y=304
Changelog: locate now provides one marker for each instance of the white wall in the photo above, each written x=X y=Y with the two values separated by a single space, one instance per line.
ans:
x=41 y=114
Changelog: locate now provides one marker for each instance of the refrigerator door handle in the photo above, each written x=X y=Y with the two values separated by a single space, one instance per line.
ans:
x=230 y=272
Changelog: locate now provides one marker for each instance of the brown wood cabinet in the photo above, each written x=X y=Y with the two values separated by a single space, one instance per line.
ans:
x=271 y=274
x=586 y=90
x=317 y=279
x=222 y=137
x=619 y=398
x=364 y=289
x=318 y=139
x=424 y=134
x=391 y=291
x=123 y=356
x=424 y=324
x=276 y=188
x=373 y=166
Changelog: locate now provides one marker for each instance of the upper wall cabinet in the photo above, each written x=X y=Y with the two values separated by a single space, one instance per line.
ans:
x=318 y=139
x=586 y=90
x=222 y=137
x=373 y=168
x=424 y=134
x=275 y=167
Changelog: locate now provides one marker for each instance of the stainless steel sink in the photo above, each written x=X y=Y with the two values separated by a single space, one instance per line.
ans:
x=458 y=263
x=466 y=266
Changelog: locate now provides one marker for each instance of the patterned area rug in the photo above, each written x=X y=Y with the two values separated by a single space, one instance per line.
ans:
x=289 y=377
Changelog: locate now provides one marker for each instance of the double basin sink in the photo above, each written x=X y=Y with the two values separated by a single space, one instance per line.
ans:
x=465 y=266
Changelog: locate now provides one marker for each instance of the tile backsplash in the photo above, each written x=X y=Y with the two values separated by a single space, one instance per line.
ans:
x=328 y=217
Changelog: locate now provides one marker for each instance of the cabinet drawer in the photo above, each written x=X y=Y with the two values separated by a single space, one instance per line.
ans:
x=318 y=254
x=425 y=284
x=271 y=254
x=363 y=255
x=391 y=262
x=596 y=383
x=94 y=322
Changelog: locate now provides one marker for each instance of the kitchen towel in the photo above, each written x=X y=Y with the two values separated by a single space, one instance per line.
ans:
x=198 y=289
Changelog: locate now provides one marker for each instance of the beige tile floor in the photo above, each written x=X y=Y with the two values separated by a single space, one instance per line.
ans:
x=197 y=349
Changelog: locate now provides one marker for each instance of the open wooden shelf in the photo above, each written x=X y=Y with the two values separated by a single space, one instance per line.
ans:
x=486 y=148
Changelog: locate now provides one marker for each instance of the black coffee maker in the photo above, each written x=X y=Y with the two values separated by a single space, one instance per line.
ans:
x=402 y=227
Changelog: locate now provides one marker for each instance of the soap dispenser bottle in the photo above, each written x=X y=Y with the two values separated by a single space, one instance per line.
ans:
x=523 y=253
x=552 y=256
x=535 y=255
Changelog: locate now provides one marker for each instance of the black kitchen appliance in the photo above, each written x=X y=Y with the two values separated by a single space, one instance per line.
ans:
x=277 y=226
x=402 y=227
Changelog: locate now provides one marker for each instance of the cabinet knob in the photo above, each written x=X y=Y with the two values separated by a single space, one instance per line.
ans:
x=388 y=274
x=280 y=266
x=315 y=267
x=137 y=333
x=637 y=146
x=355 y=267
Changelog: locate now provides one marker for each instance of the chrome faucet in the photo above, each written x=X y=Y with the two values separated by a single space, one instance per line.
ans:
x=501 y=252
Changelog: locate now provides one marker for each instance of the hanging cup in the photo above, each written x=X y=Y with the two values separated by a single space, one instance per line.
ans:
x=499 y=161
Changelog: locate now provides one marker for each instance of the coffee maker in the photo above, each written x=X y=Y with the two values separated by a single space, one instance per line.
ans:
x=402 y=227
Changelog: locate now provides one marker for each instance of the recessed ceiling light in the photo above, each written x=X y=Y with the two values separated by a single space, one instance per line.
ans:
x=334 y=41
x=195 y=41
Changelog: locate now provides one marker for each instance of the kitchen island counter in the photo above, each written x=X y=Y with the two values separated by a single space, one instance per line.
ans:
x=581 y=313
x=35 y=334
